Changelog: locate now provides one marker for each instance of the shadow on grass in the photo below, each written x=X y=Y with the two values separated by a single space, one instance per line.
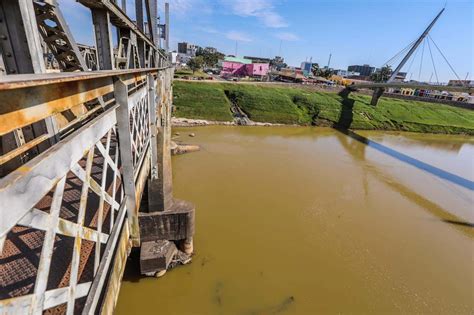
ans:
x=347 y=115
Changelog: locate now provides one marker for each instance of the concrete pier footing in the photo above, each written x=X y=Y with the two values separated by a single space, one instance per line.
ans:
x=167 y=224
x=166 y=235
x=156 y=256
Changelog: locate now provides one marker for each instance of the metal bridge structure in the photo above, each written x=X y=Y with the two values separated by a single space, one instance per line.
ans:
x=379 y=88
x=401 y=85
x=78 y=148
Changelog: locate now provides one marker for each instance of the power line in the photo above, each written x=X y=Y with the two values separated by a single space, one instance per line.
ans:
x=445 y=59
x=411 y=63
x=432 y=61
x=400 y=52
x=421 y=61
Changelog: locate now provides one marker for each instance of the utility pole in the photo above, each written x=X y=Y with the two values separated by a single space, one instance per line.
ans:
x=329 y=61
x=167 y=27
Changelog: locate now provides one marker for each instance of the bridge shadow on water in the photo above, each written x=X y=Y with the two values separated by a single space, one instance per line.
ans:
x=343 y=125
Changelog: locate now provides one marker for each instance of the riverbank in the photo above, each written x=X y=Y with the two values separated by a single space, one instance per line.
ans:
x=190 y=122
x=211 y=102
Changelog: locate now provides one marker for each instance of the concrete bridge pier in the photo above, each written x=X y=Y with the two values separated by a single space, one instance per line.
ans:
x=378 y=92
x=168 y=222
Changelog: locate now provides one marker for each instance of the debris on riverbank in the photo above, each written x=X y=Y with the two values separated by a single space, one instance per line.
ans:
x=189 y=122
x=177 y=148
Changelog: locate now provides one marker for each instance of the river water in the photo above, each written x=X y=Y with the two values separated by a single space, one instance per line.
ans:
x=300 y=220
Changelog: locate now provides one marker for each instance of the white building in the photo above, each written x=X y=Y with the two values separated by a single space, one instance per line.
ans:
x=346 y=73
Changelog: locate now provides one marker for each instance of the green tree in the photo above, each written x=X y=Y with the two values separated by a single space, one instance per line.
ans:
x=321 y=72
x=195 y=63
x=209 y=59
x=316 y=70
x=382 y=75
x=278 y=63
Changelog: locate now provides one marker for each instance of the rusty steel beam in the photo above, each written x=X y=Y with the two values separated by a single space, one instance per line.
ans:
x=138 y=106
x=28 y=80
x=26 y=102
x=118 y=18
x=22 y=107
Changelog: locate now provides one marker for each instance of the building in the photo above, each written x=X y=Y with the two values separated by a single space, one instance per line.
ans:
x=174 y=57
x=183 y=58
x=210 y=50
x=401 y=76
x=257 y=69
x=187 y=49
x=233 y=66
x=258 y=59
x=346 y=73
x=364 y=70
x=240 y=67
x=306 y=67
x=182 y=48
x=461 y=83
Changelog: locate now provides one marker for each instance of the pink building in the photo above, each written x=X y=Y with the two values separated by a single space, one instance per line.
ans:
x=239 y=67
x=257 y=69
x=230 y=68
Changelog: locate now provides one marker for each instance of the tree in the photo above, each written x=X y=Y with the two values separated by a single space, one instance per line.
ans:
x=278 y=63
x=315 y=69
x=195 y=63
x=326 y=73
x=210 y=59
x=382 y=75
x=321 y=72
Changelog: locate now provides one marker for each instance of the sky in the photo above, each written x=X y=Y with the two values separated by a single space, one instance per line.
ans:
x=352 y=31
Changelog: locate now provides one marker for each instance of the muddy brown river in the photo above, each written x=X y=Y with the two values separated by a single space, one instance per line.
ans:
x=300 y=220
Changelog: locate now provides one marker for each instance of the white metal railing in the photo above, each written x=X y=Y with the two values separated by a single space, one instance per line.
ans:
x=74 y=207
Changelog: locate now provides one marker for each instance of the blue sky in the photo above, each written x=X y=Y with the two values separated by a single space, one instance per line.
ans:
x=354 y=31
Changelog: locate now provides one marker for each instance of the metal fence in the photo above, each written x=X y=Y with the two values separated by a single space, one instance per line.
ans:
x=69 y=216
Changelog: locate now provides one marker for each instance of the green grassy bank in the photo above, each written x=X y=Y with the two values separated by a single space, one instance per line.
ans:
x=290 y=105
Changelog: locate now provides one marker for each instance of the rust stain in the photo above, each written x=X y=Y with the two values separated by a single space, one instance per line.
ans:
x=24 y=169
x=41 y=102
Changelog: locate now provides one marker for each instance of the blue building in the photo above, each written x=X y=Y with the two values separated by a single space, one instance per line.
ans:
x=306 y=67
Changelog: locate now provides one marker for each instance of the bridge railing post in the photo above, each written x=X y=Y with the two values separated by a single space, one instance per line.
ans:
x=152 y=109
x=160 y=193
x=125 y=144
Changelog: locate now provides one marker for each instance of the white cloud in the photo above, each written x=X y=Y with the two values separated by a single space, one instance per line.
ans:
x=181 y=5
x=287 y=36
x=238 y=36
x=207 y=29
x=261 y=9
x=272 y=19
x=184 y=8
